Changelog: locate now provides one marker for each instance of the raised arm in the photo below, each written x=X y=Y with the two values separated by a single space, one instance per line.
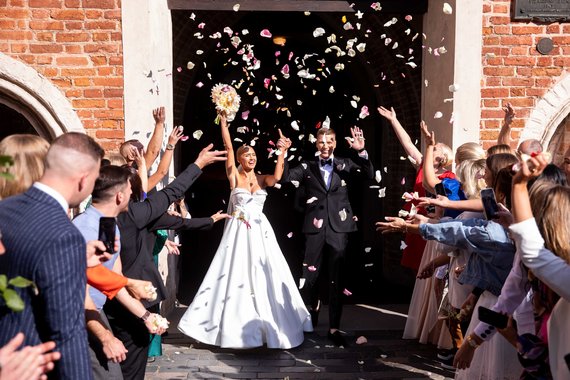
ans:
x=231 y=170
x=505 y=133
x=142 y=170
x=403 y=136
x=430 y=178
x=153 y=148
x=166 y=159
x=283 y=144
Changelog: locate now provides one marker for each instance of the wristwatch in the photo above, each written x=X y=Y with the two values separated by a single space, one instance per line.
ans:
x=145 y=316
x=169 y=147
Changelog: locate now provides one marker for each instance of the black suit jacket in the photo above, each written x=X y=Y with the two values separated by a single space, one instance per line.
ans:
x=331 y=205
x=137 y=226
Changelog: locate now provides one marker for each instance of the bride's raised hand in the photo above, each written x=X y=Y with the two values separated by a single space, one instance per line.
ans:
x=283 y=143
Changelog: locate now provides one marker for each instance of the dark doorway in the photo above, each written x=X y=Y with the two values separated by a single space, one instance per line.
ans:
x=371 y=77
x=13 y=122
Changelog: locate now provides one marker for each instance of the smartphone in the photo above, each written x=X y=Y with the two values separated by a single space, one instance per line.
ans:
x=107 y=227
x=493 y=318
x=440 y=190
x=489 y=203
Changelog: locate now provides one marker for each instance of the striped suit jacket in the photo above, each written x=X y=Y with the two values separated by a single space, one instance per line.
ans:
x=43 y=245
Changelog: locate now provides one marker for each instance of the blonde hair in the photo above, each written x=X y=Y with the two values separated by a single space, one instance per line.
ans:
x=116 y=159
x=28 y=153
x=469 y=151
x=444 y=160
x=470 y=174
x=550 y=206
x=499 y=148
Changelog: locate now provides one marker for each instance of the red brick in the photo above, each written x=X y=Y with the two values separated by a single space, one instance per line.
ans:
x=115 y=103
x=40 y=13
x=489 y=135
x=110 y=81
x=521 y=102
x=502 y=29
x=14 y=35
x=77 y=72
x=519 y=61
x=523 y=71
x=7 y=24
x=495 y=92
x=46 y=25
x=44 y=36
x=101 y=4
x=554 y=71
x=74 y=25
x=82 y=82
x=500 y=8
x=562 y=61
x=68 y=14
x=99 y=48
x=93 y=93
x=544 y=61
x=88 y=103
x=18 y=48
x=104 y=25
x=518 y=82
x=491 y=40
x=44 y=3
x=544 y=82
x=537 y=92
x=492 y=81
x=61 y=82
x=499 y=71
x=108 y=114
x=49 y=48
x=520 y=50
x=527 y=29
x=491 y=103
x=517 y=92
x=516 y=40
x=14 y=13
x=553 y=28
x=73 y=3
x=72 y=37
x=113 y=15
x=116 y=60
x=72 y=61
x=93 y=14
x=48 y=72
x=110 y=134
x=73 y=93
x=113 y=93
x=500 y=20
x=98 y=60
x=561 y=40
x=101 y=37
x=105 y=71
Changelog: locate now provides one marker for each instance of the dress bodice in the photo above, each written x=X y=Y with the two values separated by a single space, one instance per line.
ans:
x=243 y=201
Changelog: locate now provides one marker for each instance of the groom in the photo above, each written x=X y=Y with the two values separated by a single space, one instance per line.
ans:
x=328 y=219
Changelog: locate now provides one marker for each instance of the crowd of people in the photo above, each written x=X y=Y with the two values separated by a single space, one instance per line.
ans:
x=86 y=308
x=487 y=267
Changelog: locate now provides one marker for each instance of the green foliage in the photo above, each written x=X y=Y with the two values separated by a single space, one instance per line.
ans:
x=11 y=298
x=6 y=161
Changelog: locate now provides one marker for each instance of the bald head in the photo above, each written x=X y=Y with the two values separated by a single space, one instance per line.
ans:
x=529 y=146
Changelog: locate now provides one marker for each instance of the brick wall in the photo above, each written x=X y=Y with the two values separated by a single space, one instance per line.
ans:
x=77 y=45
x=513 y=70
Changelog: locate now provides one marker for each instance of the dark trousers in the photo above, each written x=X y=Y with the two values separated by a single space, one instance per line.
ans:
x=103 y=369
x=134 y=335
x=333 y=245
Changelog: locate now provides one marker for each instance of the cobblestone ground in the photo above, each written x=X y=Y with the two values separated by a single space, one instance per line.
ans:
x=384 y=356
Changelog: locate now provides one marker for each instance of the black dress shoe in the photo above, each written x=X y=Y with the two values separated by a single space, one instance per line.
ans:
x=337 y=339
x=314 y=317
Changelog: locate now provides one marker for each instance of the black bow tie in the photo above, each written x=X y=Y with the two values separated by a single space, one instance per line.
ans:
x=326 y=162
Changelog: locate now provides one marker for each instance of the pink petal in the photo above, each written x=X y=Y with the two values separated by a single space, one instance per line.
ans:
x=266 y=82
x=199 y=84
x=403 y=181
x=277 y=53
x=265 y=33
x=179 y=69
x=245 y=115
x=271 y=143
x=408 y=18
x=285 y=70
x=184 y=138
x=290 y=55
x=312 y=268
x=201 y=25
x=347 y=292
x=317 y=222
x=290 y=235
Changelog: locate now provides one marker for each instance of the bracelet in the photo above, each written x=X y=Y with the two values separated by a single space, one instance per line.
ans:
x=169 y=147
x=145 y=316
x=472 y=342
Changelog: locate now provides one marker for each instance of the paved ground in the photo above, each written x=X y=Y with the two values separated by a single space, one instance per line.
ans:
x=384 y=356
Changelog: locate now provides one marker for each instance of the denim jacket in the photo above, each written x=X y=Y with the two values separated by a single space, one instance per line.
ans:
x=492 y=250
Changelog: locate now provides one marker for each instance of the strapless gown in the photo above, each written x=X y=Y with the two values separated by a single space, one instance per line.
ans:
x=248 y=297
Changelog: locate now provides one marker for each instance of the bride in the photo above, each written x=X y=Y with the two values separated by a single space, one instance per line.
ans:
x=248 y=297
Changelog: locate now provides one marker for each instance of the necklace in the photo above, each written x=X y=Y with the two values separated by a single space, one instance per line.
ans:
x=249 y=179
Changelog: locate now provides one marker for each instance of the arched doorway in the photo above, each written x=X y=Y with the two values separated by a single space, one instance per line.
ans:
x=378 y=77
x=30 y=103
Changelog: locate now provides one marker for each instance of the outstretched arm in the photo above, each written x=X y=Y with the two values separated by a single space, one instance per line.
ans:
x=430 y=178
x=231 y=170
x=505 y=133
x=403 y=136
x=283 y=144
x=166 y=159
x=153 y=148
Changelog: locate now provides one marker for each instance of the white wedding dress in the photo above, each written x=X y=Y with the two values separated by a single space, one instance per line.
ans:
x=248 y=296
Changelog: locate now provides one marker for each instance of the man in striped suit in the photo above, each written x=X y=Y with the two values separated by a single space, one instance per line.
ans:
x=43 y=245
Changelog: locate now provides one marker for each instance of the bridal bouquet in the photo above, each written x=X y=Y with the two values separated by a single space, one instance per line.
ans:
x=227 y=100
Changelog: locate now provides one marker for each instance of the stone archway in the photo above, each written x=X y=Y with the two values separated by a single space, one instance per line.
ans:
x=549 y=118
x=23 y=89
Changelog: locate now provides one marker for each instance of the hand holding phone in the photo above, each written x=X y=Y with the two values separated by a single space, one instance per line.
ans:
x=107 y=227
x=489 y=203
x=493 y=318
x=440 y=190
